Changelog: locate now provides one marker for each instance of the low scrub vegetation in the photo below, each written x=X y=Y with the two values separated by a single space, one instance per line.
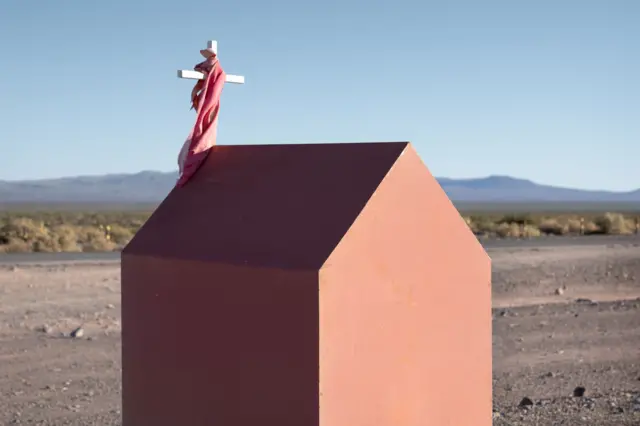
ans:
x=67 y=231
x=59 y=231
x=558 y=224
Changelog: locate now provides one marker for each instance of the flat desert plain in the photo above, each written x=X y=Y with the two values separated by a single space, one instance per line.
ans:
x=566 y=320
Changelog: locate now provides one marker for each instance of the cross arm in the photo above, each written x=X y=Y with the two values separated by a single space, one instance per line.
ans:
x=195 y=75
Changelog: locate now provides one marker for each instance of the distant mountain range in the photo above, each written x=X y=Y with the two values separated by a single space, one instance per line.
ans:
x=152 y=187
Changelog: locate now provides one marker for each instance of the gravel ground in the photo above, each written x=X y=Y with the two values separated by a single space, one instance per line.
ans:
x=576 y=364
x=566 y=320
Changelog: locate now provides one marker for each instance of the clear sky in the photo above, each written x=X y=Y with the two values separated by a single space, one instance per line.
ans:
x=547 y=90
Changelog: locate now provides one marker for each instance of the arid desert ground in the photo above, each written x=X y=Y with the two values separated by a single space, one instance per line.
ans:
x=566 y=319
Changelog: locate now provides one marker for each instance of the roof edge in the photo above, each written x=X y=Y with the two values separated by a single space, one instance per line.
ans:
x=408 y=145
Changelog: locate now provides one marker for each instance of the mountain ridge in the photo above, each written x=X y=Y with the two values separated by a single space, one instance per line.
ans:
x=150 y=186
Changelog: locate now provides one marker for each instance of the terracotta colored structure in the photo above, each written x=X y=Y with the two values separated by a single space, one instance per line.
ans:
x=304 y=285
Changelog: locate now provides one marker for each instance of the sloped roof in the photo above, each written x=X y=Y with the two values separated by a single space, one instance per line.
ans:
x=284 y=206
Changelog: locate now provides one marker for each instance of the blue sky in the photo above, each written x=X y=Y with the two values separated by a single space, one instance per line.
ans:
x=547 y=90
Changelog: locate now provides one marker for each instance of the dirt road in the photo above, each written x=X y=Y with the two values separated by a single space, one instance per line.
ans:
x=546 y=342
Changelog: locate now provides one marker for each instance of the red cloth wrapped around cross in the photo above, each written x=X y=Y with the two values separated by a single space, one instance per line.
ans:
x=205 y=99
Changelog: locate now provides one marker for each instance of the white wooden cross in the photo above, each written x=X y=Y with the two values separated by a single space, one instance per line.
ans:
x=195 y=75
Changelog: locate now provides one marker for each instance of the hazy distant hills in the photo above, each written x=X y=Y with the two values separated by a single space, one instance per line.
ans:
x=509 y=189
x=143 y=187
x=152 y=187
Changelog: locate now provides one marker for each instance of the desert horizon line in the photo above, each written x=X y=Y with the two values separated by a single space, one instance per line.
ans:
x=496 y=176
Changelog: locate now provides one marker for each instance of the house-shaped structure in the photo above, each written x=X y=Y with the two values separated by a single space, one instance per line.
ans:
x=305 y=285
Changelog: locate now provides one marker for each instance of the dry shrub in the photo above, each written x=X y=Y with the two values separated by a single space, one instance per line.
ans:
x=92 y=239
x=23 y=234
x=120 y=235
x=67 y=238
x=590 y=227
x=502 y=230
x=530 y=231
x=520 y=219
x=516 y=230
x=45 y=245
x=613 y=223
x=21 y=228
x=15 y=246
x=481 y=225
x=552 y=227
x=631 y=225
x=508 y=230
x=574 y=226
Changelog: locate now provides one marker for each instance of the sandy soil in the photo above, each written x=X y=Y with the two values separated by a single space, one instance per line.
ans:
x=564 y=318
